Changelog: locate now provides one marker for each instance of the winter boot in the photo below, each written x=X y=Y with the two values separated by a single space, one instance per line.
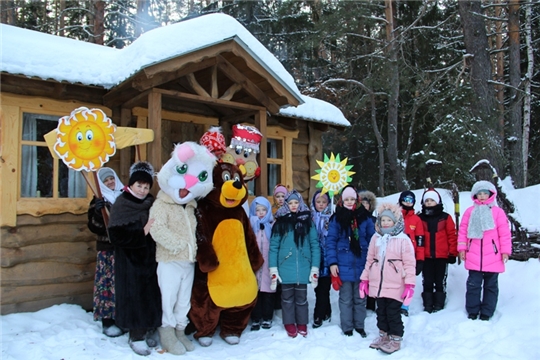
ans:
x=291 y=330
x=181 y=336
x=110 y=329
x=137 y=342
x=438 y=300
x=428 y=301
x=255 y=325
x=152 y=338
x=393 y=345
x=266 y=324
x=381 y=340
x=169 y=342
x=302 y=329
x=232 y=339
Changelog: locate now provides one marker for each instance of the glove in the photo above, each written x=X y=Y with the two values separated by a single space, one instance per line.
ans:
x=407 y=294
x=314 y=276
x=363 y=288
x=274 y=278
x=98 y=205
x=451 y=260
x=336 y=282
x=419 y=267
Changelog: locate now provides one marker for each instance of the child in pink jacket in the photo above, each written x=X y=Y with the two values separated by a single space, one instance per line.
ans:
x=389 y=276
x=484 y=244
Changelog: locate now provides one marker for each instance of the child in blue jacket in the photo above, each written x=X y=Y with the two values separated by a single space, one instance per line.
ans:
x=347 y=241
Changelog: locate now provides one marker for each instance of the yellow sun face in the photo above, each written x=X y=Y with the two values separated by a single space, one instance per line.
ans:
x=333 y=175
x=85 y=140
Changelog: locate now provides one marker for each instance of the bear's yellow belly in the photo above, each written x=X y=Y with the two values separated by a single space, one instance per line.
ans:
x=233 y=283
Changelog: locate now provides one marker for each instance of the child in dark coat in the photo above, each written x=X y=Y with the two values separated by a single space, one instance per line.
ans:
x=347 y=242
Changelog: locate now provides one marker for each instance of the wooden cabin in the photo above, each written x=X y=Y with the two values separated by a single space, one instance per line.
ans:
x=177 y=81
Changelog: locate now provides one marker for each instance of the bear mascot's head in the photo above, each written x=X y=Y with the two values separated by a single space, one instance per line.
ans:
x=188 y=173
x=230 y=190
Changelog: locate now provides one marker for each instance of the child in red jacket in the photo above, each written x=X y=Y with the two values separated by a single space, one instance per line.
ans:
x=440 y=249
x=414 y=230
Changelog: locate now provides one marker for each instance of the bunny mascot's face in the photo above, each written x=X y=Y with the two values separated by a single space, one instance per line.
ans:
x=188 y=173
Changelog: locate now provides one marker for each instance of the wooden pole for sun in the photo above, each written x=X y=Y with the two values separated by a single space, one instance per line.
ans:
x=94 y=186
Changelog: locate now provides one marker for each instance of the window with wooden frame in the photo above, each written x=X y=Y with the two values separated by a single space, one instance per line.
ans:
x=279 y=158
x=33 y=181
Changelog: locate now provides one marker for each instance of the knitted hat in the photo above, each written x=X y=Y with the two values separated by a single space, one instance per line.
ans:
x=349 y=192
x=246 y=137
x=214 y=141
x=293 y=196
x=389 y=214
x=143 y=172
x=281 y=189
x=405 y=194
x=431 y=194
x=104 y=173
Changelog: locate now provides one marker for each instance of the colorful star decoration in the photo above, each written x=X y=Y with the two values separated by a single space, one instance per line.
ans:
x=333 y=175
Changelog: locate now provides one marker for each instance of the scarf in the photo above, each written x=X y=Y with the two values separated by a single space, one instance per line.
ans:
x=481 y=220
x=108 y=194
x=128 y=209
x=385 y=236
x=348 y=221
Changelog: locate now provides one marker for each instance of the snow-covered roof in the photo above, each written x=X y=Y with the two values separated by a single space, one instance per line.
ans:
x=50 y=57
x=316 y=110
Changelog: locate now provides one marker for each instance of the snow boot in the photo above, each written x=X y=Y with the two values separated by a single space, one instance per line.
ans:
x=438 y=300
x=266 y=324
x=428 y=301
x=205 y=341
x=140 y=347
x=152 y=338
x=362 y=332
x=181 y=336
x=169 y=342
x=232 y=339
x=302 y=329
x=381 y=340
x=391 y=346
x=110 y=329
x=291 y=330
x=255 y=325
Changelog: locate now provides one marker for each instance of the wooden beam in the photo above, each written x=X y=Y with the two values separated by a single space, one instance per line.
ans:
x=9 y=163
x=196 y=86
x=236 y=76
x=235 y=118
x=180 y=116
x=229 y=93
x=142 y=122
x=261 y=186
x=215 y=91
x=125 y=154
x=254 y=65
x=138 y=100
x=154 y=123
x=143 y=82
x=208 y=100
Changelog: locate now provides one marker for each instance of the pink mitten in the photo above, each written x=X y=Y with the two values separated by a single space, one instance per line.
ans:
x=407 y=294
x=363 y=288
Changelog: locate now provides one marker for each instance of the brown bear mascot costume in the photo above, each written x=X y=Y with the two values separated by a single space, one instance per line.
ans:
x=225 y=286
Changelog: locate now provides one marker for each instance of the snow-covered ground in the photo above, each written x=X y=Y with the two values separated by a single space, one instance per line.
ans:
x=68 y=332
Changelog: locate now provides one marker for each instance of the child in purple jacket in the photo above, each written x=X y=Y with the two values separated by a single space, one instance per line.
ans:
x=484 y=244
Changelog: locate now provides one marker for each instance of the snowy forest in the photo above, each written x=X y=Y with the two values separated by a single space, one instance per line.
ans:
x=421 y=82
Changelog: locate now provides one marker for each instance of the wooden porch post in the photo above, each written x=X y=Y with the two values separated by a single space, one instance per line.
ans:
x=125 y=154
x=260 y=123
x=154 y=123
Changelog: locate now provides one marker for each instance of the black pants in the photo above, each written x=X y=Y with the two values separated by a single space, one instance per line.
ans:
x=389 y=316
x=264 y=308
x=323 y=310
x=435 y=272
x=485 y=304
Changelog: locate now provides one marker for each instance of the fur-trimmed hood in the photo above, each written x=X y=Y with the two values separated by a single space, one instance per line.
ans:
x=398 y=215
x=483 y=185
x=368 y=195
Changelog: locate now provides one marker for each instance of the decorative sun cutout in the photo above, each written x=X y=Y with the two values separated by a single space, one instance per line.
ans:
x=333 y=175
x=84 y=139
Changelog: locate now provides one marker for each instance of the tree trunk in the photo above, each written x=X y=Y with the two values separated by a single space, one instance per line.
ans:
x=527 y=86
x=393 y=98
x=483 y=102
x=142 y=17
x=515 y=145
x=99 y=22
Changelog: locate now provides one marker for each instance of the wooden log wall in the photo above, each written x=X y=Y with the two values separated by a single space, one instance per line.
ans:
x=45 y=261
